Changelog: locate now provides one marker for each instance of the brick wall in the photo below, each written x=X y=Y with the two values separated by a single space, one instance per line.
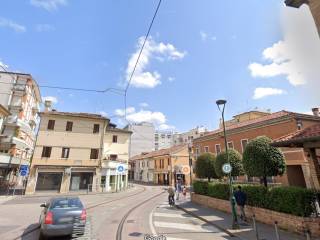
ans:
x=285 y=221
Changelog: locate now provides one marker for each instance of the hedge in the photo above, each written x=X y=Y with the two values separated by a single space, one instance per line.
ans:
x=292 y=200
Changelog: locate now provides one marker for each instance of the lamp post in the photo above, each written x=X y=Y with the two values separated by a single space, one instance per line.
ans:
x=190 y=164
x=221 y=106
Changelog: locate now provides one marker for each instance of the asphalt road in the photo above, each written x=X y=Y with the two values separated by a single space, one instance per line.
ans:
x=135 y=214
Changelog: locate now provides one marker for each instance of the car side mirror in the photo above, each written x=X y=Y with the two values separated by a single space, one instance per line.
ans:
x=43 y=205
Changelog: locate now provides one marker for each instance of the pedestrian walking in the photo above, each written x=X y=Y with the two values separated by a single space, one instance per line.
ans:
x=178 y=189
x=241 y=199
x=171 y=196
x=184 y=192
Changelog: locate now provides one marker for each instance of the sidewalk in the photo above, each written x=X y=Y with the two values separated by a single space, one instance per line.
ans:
x=223 y=221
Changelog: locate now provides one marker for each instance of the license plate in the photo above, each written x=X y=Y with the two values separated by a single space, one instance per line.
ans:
x=66 y=219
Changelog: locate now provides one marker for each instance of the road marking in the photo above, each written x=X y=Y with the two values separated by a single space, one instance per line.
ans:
x=153 y=231
x=182 y=226
x=169 y=215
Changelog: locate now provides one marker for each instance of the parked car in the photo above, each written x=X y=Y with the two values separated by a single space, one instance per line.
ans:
x=62 y=216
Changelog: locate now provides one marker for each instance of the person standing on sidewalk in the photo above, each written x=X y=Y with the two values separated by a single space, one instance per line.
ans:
x=241 y=199
x=178 y=189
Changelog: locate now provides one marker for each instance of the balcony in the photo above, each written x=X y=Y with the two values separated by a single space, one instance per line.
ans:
x=19 y=143
x=5 y=159
x=113 y=163
x=15 y=122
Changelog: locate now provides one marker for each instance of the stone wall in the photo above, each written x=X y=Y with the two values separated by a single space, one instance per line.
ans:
x=285 y=221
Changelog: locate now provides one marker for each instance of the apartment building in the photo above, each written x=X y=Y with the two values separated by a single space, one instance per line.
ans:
x=3 y=114
x=142 y=138
x=165 y=165
x=115 y=151
x=247 y=126
x=314 y=8
x=20 y=95
x=187 y=137
x=163 y=139
x=68 y=152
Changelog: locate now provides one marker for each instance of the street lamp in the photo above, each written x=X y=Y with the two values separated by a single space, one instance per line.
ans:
x=190 y=163
x=221 y=106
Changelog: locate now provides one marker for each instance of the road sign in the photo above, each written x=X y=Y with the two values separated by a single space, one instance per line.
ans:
x=120 y=168
x=226 y=168
x=24 y=170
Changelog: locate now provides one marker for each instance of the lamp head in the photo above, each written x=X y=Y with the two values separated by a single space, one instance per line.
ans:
x=221 y=102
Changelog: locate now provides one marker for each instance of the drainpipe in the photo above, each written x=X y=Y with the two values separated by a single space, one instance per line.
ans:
x=105 y=125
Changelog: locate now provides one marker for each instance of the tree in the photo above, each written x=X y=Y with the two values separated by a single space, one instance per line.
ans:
x=205 y=166
x=235 y=161
x=260 y=159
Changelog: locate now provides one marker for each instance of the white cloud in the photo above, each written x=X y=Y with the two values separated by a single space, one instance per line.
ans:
x=50 y=98
x=49 y=5
x=203 y=35
x=297 y=56
x=44 y=28
x=171 y=79
x=265 y=92
x=144 y=105
x=152 y=50
x=103 y=113
x=121 y=112
x=4 y=22
x=133 y=116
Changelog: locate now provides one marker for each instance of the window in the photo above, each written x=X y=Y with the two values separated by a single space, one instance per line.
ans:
x=143 y=164
x=65 y=152
x=168 y=161
x=244 y=143
x=94 y=153
x=114 y=138
x=46 y=152
x=230 y=145
x=96 y=128
x=69 y=126
x=218 y=149
x=206 y=149
x=51 y=124
x=197 y=152
x=113 y=157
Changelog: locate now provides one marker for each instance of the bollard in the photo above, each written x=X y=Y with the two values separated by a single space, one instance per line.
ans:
x=277 y=231
x=255 y=227
x=308 y=234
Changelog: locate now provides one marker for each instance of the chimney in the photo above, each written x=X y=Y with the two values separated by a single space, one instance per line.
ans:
x=315 y=112
x=47 y=105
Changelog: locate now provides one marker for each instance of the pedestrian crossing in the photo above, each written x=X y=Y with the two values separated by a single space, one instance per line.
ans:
x=175 y=224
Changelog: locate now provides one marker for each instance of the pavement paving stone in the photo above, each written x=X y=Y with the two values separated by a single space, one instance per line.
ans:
x=223 y=220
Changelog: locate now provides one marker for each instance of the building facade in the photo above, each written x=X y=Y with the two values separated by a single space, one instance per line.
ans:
x=163 y=139
x=20 y=95
x=187 y=137
x=115 y=151
x=68 y=152
x=4 y=113
x=165 y=167
x=272 y=125
x=142 y=138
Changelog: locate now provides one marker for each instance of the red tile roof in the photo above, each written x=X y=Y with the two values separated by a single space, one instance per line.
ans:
x=160 y=152
x=300 y=135
x=269 y=117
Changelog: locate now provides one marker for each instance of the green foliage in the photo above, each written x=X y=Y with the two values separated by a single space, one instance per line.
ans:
x=260 y=159
x=235 y=161
x=292 y=200
x=205 y=166
x=219 y=190
x=200 y=187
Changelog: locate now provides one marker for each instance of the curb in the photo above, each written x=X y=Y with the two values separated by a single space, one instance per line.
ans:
x=206 y=221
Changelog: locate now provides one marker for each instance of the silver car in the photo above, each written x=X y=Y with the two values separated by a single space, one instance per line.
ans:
x=62 y=216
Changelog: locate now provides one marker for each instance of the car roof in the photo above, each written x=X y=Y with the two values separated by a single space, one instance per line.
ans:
x=64 y=198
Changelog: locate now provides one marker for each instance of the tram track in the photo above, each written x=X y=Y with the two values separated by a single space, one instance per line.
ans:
x=124 y=218
x=88 y=208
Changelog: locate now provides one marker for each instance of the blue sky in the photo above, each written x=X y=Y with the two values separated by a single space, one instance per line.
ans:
x=253 y=53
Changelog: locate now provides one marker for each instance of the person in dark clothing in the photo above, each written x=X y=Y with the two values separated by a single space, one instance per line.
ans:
x=241 y=199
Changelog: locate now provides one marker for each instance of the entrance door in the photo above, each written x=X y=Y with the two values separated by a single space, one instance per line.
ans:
x=48 y=181
x=75 y=183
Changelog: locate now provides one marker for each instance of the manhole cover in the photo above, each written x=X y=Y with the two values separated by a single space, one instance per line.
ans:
x=135 y=234
x=130 y=221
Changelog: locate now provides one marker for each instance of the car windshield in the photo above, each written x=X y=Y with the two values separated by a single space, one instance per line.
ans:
x=66 y=203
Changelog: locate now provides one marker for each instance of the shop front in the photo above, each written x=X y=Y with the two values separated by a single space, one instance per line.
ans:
x=81 y=179
x=49 y=181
